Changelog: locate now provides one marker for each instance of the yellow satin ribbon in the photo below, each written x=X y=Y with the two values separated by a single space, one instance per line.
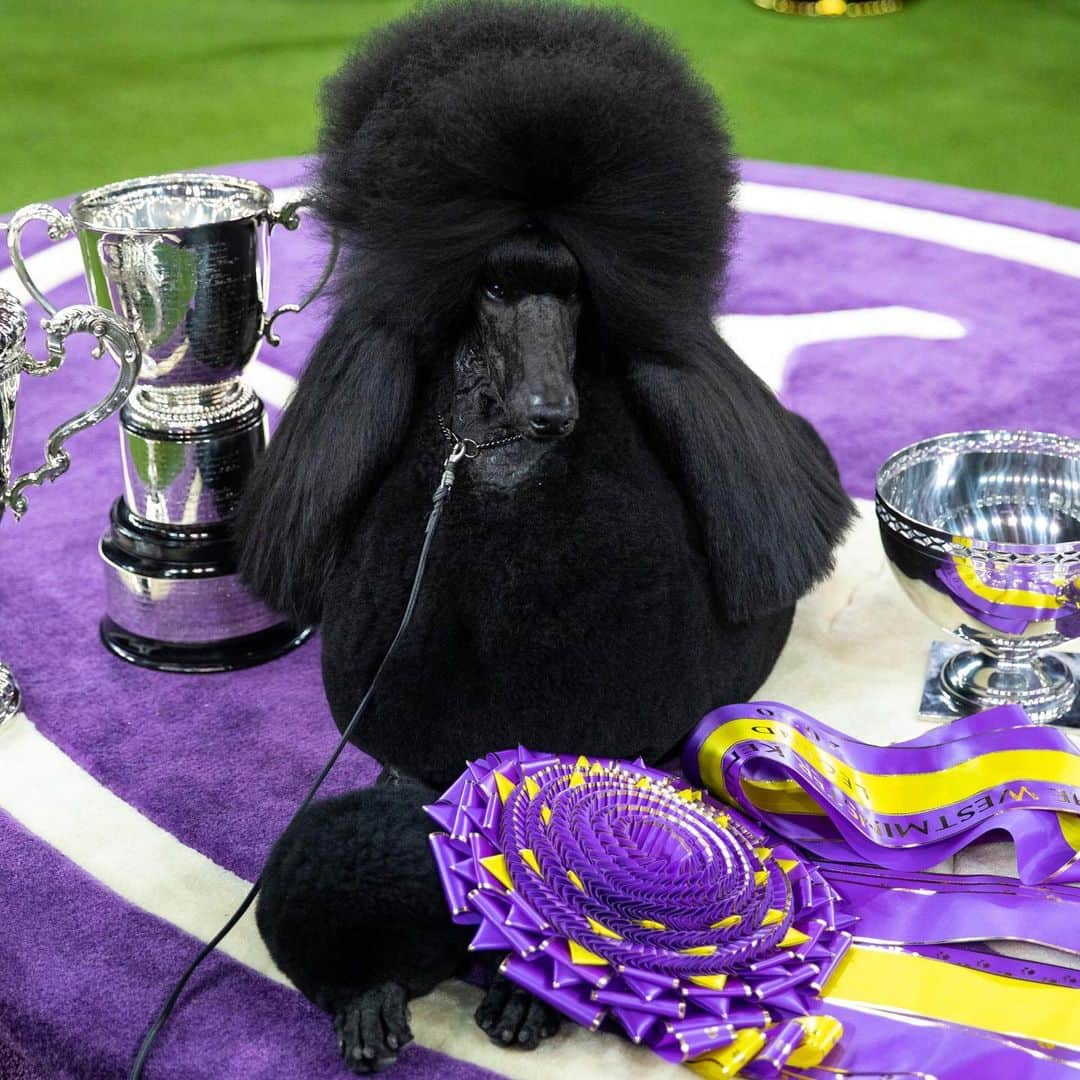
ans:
x=887 y=980
x=789 y=797
x=922 y=986
x=882 y=793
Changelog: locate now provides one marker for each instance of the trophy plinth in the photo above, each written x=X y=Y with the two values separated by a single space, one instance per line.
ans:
x=1049 y=684
x=184 y=259
x=982 y=530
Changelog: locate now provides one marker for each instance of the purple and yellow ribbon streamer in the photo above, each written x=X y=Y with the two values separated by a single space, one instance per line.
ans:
x=907 y=806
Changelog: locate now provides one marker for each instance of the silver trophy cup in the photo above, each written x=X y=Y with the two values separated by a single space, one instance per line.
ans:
x=185 y=259
x=15 y=362
x=982 y=529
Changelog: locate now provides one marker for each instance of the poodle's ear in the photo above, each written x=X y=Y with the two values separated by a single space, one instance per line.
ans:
x=757 y=478
x=339 y=434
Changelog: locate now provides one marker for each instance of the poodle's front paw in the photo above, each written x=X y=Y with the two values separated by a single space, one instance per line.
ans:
x=372 y=1028
x=511 y=1016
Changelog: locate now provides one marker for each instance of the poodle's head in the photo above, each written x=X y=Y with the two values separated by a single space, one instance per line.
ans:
x=510 y=181
x=470 y=127
x=520 y=351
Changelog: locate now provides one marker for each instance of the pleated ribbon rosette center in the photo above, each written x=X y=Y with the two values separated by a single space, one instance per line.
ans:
x=623 y=896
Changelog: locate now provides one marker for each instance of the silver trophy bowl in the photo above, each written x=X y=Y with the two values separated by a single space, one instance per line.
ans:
x=982 y=530
x=185 y=259
x=16 y=361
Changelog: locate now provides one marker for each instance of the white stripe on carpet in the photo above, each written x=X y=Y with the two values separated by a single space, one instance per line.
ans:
x=967 y=234
x=766 y=342
x=273 y=386
x=59 y=802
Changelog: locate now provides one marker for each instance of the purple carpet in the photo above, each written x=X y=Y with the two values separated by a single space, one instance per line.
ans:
x=221 y=761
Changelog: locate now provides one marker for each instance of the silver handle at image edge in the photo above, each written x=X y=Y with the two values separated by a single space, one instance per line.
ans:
x=111 y=333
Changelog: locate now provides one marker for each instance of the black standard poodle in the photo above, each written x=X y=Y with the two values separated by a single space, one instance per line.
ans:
x=534 y=202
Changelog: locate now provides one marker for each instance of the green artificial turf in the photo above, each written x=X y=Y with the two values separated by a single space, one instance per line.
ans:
x=982 y=93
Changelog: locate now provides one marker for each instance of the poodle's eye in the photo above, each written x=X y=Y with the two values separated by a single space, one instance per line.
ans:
x=494 y=291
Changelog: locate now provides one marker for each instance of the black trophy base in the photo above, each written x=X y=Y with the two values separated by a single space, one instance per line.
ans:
x=202 y=658
x=174 y=601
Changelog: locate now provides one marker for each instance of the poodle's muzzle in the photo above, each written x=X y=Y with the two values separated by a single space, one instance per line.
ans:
x=533 y=340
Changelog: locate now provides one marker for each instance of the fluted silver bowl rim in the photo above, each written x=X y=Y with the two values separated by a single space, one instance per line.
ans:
x=81 y=204
x=958 y=442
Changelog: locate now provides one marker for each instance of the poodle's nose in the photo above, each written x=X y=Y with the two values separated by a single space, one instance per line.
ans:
x=550 y=419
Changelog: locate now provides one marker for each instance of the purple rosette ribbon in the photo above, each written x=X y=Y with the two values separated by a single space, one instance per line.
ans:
x=626 y=899
x=622 y=896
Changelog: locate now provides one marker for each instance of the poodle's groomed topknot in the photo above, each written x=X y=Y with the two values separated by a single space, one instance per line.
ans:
x=451 y=128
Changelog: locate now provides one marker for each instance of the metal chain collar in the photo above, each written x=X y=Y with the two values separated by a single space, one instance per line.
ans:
x=470 y=447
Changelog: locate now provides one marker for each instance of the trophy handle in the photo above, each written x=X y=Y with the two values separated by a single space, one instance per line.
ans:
x=60 y=225
x=122 y=343
x=289 y=217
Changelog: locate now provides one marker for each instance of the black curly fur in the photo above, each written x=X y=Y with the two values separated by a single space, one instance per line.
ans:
x=347 y=858
x=643 y=570
x=446 y=133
